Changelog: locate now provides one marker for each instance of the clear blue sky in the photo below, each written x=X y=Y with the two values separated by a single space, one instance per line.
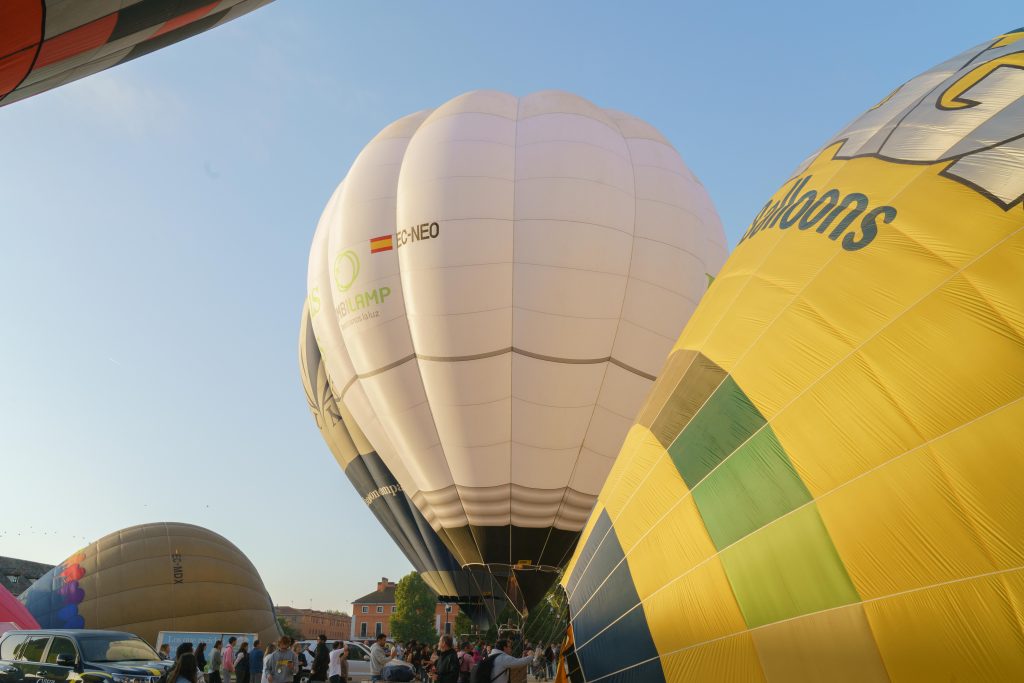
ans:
x=157 y=218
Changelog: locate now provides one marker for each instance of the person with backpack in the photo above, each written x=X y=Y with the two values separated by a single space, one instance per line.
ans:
x=500 y=666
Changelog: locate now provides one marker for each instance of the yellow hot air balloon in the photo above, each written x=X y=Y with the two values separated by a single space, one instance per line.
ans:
x=824 y=483
x=155 y=577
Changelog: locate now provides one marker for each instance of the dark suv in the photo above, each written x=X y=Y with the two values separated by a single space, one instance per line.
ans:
x=73 y=656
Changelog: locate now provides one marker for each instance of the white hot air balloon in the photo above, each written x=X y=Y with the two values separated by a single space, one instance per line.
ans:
x=498 y=282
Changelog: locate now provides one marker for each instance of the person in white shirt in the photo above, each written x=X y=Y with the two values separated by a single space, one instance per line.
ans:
x=506 y=667
x=337 y=671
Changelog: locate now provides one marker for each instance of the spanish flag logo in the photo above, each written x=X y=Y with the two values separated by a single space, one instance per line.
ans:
x=382 y=243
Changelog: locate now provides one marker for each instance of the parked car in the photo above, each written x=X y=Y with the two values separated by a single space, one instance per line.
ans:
x=79 y=655
x=358 y=660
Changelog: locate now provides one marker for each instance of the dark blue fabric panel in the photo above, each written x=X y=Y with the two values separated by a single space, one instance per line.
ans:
x=627 y=642
x=582 y=569
x=616 y=597
x=614 y=606
x=649 y=672
x=369 y=475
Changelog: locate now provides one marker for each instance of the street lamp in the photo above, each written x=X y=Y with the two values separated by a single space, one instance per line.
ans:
x=447 y=611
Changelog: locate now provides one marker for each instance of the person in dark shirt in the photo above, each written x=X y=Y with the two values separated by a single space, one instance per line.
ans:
x=256 y=662
x=321 y=660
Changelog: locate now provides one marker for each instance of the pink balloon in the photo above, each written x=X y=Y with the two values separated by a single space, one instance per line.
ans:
x=13 y=614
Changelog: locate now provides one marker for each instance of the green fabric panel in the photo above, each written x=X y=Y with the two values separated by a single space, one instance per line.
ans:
x=787 y=569
x=724 y=422
x=753 y=486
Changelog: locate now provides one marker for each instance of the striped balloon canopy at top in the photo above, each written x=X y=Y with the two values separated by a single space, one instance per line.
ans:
x=494 y=287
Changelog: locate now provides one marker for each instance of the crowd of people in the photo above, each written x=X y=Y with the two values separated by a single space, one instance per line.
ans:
x=289 y=661
x=446 y=663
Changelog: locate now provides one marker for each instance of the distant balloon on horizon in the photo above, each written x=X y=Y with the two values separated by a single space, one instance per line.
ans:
x=155 y=577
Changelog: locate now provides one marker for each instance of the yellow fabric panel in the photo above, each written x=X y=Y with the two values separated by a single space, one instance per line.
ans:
x=964 y=631
x=721 y=295
x=991 y=494
x=732 y=659
x=835 y=646
x=758 y=305
x=624 y=473
x=651 y=499
x=902 y=527
x=997 y=277
x=848 y=298
x=640 y=452
x=982 y=360
x=679 y=543
x=591 y=521
x=841 y=428
x=696 y=608
x=1013 y=583
x=788 y=259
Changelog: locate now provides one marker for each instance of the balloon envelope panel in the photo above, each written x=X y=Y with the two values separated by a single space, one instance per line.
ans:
x=824 y=482
x=153 y=577
x=46 y=43
x=384 y=495
x=506 y=276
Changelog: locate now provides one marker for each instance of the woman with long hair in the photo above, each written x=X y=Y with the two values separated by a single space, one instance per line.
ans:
x=184 y=670
x=201 y=656
x=242 y=663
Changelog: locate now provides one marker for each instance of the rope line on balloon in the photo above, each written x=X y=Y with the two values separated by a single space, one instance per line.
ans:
x=512 y=329
x=491 y=354
x=604 y=375
x=562 y=619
